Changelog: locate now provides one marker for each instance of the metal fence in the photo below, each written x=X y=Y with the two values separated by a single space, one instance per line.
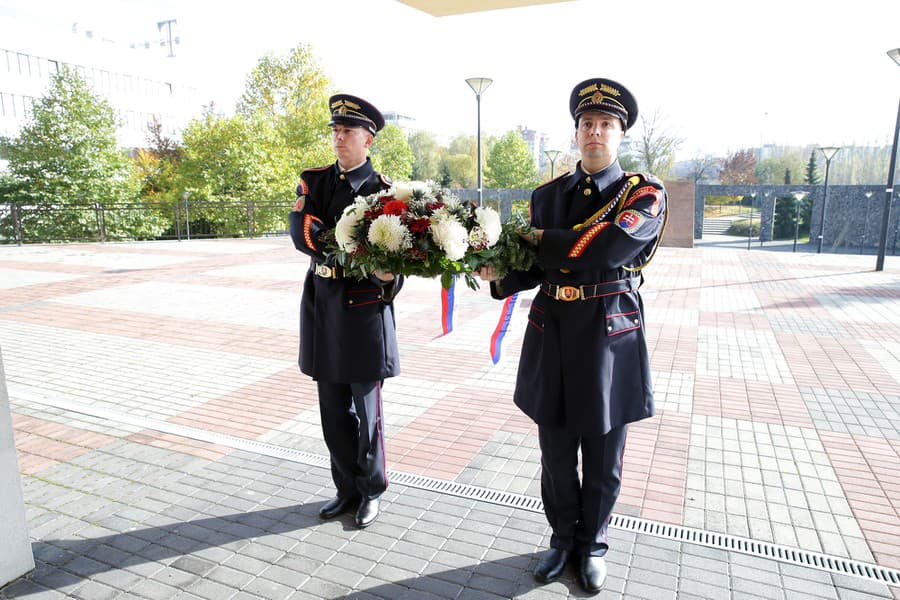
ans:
x=21 y=223
x=102 y=222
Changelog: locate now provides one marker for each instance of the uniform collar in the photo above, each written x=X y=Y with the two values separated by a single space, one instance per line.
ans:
x=600 y=180
x=356 y=176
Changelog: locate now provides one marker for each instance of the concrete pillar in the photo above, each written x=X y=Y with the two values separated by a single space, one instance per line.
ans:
x=15 y=548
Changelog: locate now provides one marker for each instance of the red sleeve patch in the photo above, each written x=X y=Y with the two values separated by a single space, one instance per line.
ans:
x=642 y=193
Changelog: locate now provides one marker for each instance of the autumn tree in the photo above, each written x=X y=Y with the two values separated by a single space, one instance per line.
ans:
x=739 y=168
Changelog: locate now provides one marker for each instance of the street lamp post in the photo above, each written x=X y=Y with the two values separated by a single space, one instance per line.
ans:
x=889 y=192
x=798 y=199
x=750 y=220
x=479 y=85
x=552 y=155
x=828 y=152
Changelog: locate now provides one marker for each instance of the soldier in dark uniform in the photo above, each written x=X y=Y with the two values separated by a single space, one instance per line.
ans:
x=584 y=372
x=348 y=342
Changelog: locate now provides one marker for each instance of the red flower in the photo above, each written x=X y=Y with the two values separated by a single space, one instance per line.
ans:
x=419 y=225
x=394 y=207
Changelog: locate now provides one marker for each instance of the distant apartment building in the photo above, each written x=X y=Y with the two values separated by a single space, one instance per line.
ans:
x=537 y=143
x=136 y=88
x=407 y=124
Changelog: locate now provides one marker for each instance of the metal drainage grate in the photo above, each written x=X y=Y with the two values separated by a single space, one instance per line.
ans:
x=721 y=541
x=786 y=554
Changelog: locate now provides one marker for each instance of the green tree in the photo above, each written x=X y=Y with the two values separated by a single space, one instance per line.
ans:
x=66 y=168
x=227 y=165
x=287 y=100
x=812 y=171
x=391 y=153
x=426 y=156
x=510 y=164
x=772 y=170
x=461 y=170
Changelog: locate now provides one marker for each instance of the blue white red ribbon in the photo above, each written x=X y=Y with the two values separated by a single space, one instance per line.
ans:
x=502 y=325
x=447 y=300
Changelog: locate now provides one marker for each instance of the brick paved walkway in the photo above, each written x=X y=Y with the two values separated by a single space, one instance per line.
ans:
x=777 y=378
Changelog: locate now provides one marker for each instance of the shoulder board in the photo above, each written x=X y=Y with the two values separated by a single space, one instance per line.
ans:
x=315 y=170
x=554 y=180
x=648 y=177
x=386 y=180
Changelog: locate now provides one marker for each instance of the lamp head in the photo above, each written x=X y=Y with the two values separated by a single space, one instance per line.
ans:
x=829 y=151
x=479 y=84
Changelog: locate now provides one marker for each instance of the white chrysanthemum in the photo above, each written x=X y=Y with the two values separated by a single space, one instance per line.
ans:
x=389 y=232
x=452 y=202
x=401 y=190
x=451 y=236
x=346 y=225
x=489 y=222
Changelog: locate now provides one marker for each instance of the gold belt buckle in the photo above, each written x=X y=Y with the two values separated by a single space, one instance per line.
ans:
x=568 y=293
x=324 y=271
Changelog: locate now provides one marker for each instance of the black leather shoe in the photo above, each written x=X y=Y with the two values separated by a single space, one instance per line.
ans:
x=337 y=506
x=551 y=565
x=367 y=512
x=592 y=573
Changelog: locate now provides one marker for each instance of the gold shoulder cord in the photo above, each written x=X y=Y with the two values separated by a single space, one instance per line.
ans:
x=632 y=181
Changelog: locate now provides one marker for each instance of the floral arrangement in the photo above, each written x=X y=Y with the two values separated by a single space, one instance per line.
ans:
x=416 y=228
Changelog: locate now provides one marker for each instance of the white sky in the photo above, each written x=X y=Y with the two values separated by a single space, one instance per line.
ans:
x=725 y=75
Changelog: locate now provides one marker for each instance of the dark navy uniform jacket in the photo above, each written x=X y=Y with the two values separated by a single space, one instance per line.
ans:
x=584 y=365
x=347 y=326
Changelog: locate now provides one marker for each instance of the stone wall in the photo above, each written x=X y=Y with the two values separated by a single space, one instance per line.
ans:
x=853 y=220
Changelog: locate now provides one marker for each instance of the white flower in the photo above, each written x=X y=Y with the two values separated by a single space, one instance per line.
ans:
x=488 y=221
x=389 y=232
x=401 y=190
x=450 y=235
x=346 y=226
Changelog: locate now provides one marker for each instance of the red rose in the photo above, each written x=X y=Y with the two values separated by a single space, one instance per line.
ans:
x=394 y=207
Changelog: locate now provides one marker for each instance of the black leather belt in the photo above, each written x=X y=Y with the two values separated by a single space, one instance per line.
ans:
x=327 y=272
x=568 y=293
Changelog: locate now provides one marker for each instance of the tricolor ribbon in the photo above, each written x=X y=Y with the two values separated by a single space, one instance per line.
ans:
x=502 y=325
x=447 y=299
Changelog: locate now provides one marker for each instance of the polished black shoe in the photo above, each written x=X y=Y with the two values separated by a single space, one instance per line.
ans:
x=551 y=565
x=337 y=506
x=367 y=512
x=592 y=573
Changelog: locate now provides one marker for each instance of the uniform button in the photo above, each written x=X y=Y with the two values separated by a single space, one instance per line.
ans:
x=378 y=296
x=349 y=301
x=635 y=321
x=588 y=179
x=587 y=191
x=342 y=176
x=609 y=328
